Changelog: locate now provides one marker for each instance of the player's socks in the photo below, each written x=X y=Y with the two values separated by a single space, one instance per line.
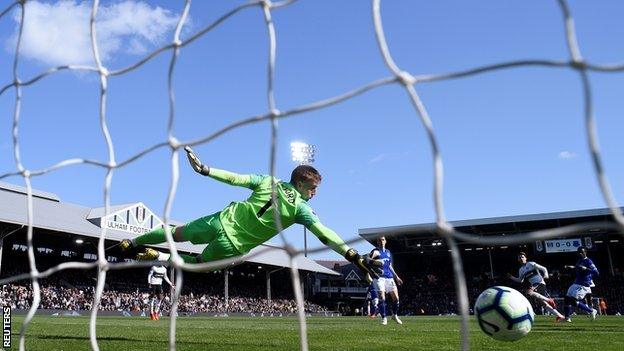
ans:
x=156 y=236
x=157 y=309
x=397 y=319
x=189 y=258
x=552 y=310
x=382 y=308
x=395 y=308
x=552 y=303
x=567 y=310
x=539 y=296
x=163 y=256
x=584 y=307
x=594 y=313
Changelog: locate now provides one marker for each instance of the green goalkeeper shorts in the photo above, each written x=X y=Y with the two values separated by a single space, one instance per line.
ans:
x=208 y=230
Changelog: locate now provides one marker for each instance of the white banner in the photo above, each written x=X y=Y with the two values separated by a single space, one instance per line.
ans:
x=563 y=245
x=135 y=219
x=125 y=227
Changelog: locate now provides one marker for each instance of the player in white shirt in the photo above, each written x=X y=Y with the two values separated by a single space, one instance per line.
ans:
x=533 y=275
x=155 y=279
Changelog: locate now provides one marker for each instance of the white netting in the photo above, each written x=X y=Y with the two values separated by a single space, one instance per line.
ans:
x=397 y=76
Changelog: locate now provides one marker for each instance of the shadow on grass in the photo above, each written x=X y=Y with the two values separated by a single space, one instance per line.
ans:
x=117 y=338
x=71 y=337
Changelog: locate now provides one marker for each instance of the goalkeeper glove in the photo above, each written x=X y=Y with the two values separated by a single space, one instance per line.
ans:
x=371 y=268
x=195 y=162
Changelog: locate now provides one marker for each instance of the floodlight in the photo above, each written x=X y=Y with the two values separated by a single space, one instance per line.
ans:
x=302 y=153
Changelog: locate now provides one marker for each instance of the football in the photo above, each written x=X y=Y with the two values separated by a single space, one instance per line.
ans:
x=504 y=313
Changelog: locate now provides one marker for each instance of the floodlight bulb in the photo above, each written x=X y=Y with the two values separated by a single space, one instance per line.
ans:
x=301 y=152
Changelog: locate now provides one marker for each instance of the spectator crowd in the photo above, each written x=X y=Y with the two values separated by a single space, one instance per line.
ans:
x=72 y=299
x=432 y=293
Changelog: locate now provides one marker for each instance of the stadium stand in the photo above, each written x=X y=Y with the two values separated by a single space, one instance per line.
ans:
x=422 y=258
x=66 y=232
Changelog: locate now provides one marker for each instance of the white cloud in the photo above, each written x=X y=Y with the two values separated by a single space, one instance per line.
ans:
x=379 y=158
x=388 y=156
x=59 y=34
x=565 y=155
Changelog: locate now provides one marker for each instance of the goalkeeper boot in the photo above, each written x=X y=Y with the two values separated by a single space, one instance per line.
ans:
x=148 y=255
x=125 y=245
x=397 y=319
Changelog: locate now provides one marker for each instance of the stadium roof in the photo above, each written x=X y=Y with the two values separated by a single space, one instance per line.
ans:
x=498 y=225
x=50 y=213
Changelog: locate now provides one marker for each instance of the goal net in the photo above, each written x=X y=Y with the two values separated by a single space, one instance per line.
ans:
x=396 y=75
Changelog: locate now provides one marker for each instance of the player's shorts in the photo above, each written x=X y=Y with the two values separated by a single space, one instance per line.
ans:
x=578 y=291
x=371 y=296
x=208 y=230
x=540 y=289
x=384 y=284
x=156 y=289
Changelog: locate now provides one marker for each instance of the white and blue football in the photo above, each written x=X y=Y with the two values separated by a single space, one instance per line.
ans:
x=504 y=313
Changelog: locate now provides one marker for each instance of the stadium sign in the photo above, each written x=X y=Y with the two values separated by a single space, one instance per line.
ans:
x=589 y=244
x=539 y=246
x=136 y=219
x=562 y=245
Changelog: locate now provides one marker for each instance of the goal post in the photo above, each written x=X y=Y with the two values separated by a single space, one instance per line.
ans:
x=396 y=75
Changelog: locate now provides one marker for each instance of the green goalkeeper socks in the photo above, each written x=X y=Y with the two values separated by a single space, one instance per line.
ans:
x=156 y=236
x=189 y=258
x=163 y=256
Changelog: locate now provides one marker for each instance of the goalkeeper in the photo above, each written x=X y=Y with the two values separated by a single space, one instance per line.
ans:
x=243 y=225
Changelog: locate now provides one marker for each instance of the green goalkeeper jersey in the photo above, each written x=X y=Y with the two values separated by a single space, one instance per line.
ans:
x=251 y=222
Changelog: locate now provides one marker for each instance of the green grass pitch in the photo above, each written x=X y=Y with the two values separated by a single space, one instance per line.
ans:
x=337 y=333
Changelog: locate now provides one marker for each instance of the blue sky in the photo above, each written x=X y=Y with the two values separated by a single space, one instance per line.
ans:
x=512 y=141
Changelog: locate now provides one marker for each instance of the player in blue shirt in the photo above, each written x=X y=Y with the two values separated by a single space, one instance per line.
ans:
x=584 y=271
x=372 y=300
x=385 y=283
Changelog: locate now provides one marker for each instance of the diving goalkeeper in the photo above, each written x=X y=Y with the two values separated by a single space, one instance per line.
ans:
x=243 y=225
